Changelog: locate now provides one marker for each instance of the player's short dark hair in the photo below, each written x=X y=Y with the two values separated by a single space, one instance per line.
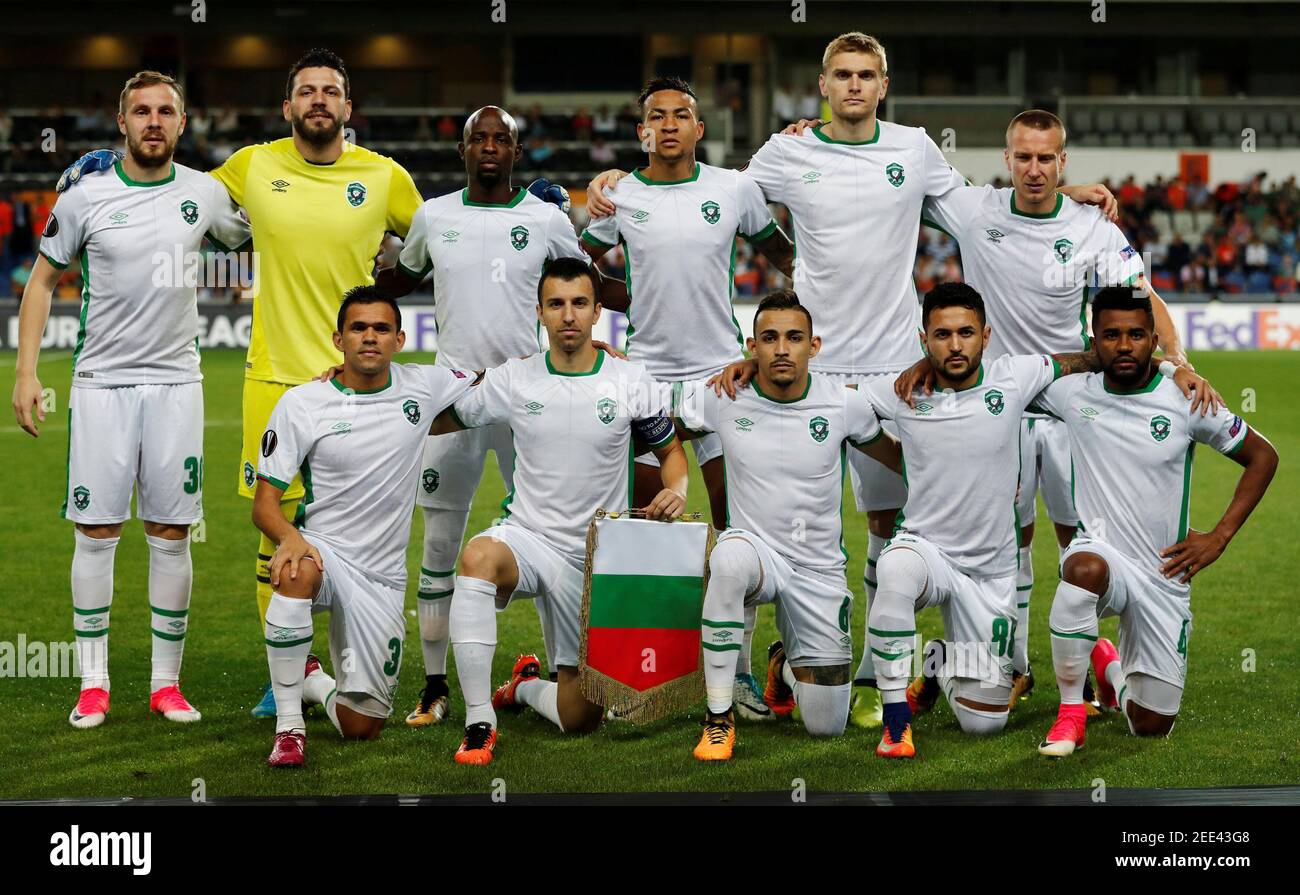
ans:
x=367 y=295
x=782 y=300
x=148 y=79
x=951 y=295
x=1039 y=120
x=318 y=58
x=663 y=82
x=1121 y=298
x=569 y=269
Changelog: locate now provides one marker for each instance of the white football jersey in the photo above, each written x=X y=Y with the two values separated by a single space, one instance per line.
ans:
x=359 y=454
x=140 y=258
x=786 y=462
x=679 y=242
x=1034 y=271
x=486 y=261
x=573 y=440
x=856 y=210
x=961 y=453
x=1132 y=458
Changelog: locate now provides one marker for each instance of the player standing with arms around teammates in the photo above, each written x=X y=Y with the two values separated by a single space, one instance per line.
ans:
x=576 y=415
x=954 y=545
x=356 y=442
x=677 y=221
x=486 y=246
x=786 y=439
x=135 y=413
x=1132 y=436
x=319 y=208
x=1035 y=256
x=854 y=188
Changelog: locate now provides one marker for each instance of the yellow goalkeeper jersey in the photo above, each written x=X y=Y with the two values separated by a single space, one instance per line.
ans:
x=316 y=231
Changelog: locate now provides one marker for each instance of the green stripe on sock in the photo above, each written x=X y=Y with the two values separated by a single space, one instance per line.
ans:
x=891 y=656
x=92 y=611
x=713 y=624
x=1119 y=700
x=880 y=633
x=435 y=594
x=1056 y=633
x=283 y=643
x=872 y=563
x=91 y=633
x=165 y=636
x=432 y=574
x=723 y=648
x=869 y=581
x=1022 y=605
x=169 y=613
x=1025 y=587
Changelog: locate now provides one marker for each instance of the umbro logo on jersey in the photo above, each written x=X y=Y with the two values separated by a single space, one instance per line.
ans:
x=811 y=176
x=450 y=236
x=356 y=193
x=995 y=235
x=995 y=401
x=640 y=216
x=343 y=427
x=533 y=408
x=1089 y=413
x=925 y=408
x=712 y=213
x=279 y=186
x=190 y=212
x=118 y=217
x=894 y=171
x=744 y=424
x=1160 y=427
x=412 y=411
x=519 y=238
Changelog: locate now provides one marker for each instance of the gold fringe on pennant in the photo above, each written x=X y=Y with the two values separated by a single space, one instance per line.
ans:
x=630 y=704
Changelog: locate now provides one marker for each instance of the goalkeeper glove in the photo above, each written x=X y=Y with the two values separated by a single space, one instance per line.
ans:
x=95 y=160
x=551 y=192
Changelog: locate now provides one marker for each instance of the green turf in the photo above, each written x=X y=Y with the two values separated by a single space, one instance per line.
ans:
x=1236 y=728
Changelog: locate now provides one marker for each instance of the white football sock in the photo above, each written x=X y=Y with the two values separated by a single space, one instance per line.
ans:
x=473 y=630
x=1118 y=680
x=870 y=584
x=745 y=661
x=170 y=577
x=318 y=688
x=1073 y=622
x=733 y=572
x=891 y=620
x=444 y=529
x=543 y=696
x=92 y=598
x=1024 y=590
x=825 y=708
x=288 y=641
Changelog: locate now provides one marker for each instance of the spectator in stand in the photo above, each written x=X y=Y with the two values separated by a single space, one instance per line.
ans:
x=1157 y=195
x=1191 y=278
x=1225 y=256
x=198 y=125
x=1257 y=265
x=1198 y=195
x=785 y=106
x=6 y=230
x=1288 y=273
x=447 y=129
x=602 y=154
x=424 y=130
x=1176 y=195
x=1130 y=194
x=6 y=127
x=540 y=151
x=604 y=124
x=581 y=124
x=810 y=104
x=227 y=122
x=537 y=121
x=1179 y=254
x=1240 y=230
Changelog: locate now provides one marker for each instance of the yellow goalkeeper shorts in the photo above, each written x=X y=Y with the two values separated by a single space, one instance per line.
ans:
x=260 y=398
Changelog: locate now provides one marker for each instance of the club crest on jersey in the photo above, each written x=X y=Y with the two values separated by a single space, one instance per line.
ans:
x=819 y=428
x=519 y=238
x=711 y=211
x=429 y=479
x=1160 y=427
x=606 y=410
x=190 y=211
x=1063 y=250
x=994 y=401
x=412 y=411
x=356 y=193
x=894 y=171
x=250 y=474
x=81 y=497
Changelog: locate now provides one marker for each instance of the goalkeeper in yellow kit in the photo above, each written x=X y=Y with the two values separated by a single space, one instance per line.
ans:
x=319 y=207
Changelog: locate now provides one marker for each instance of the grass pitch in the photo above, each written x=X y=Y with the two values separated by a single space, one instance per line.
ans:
x=1237 y=727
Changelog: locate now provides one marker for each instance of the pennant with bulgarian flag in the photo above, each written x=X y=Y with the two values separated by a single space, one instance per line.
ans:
x=641 y=608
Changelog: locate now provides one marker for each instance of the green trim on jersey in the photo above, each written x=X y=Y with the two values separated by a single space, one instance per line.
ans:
x=271 y=480
x=55 y=264
x=1041 y=216
x=85 y=309
x=976 y=384
x=731 y=298
x=758 y=391
x=844 y=469
x=1232 y=451
x=1083 y=319
x=627 y=285
x=1144 y=390
x=600 y=359
x=817 y=132
x=519 y=197
x=1187 y=492
x=456 y=417
x=926 y=222
x=67 y=468
x=762 y=234
x=636 y=172
x=121 y=172
x=593 y=241
x=309 y=494
x=362 y=391
x=417 y=275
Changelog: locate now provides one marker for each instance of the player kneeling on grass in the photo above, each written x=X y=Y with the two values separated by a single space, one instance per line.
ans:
x=574 y=413
x=785 y=441
x=1132 y=434
x=954 y=545
x=356 y=439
